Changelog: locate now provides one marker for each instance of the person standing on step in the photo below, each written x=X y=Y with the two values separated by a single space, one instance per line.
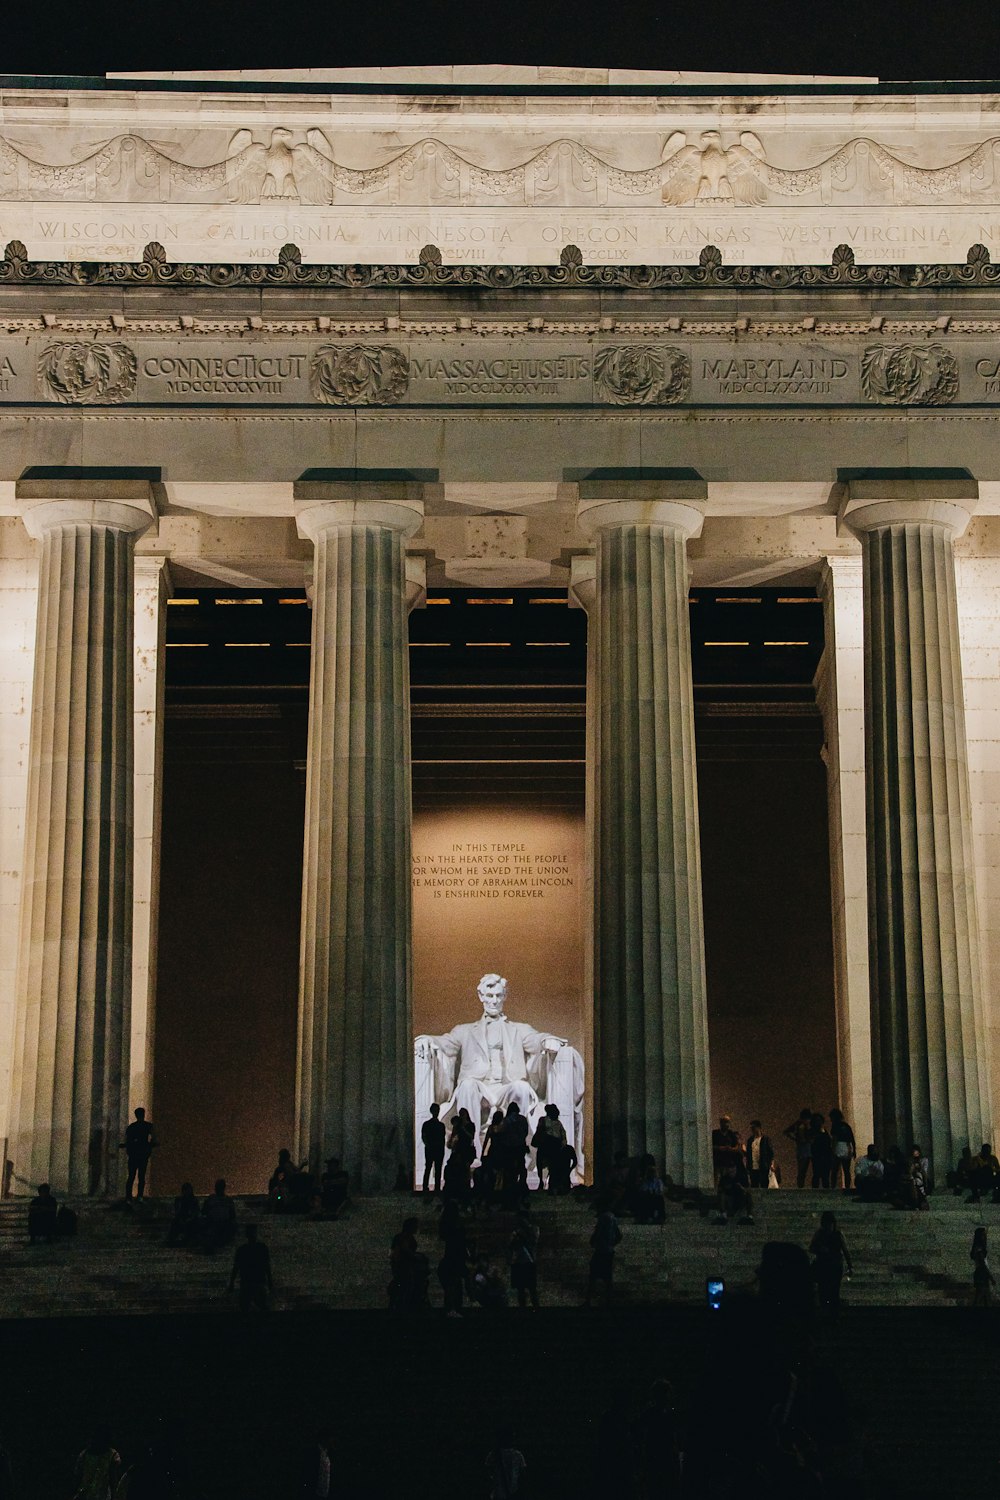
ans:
x=800 y=1134
x=432 y=1134
x=43 y=1212
x=727 y=1148
x=218 y=1214
x=524 y=1261
x=98 y=1468
x=845 y=1149
x=505 y=1467
x=983 y=1279
x=252 y=1266
x=140 y=1139
x=606 y=1237
x=760 y=1156
x=830 y=1256
x=821 y=1151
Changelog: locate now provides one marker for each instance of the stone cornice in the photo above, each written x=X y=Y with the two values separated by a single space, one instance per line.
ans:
x=429 y=273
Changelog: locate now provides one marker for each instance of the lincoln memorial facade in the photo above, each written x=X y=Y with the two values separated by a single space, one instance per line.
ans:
x=628 y=447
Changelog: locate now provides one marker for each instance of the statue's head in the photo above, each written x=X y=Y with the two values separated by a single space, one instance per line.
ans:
x=492 y=993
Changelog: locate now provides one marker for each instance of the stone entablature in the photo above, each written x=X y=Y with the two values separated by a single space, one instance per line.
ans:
x=434 y=371
x=652 y=178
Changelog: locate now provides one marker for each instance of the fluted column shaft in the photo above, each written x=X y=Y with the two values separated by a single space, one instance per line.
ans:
x=74 y=973
x=355 y=1083
x=651 y=1028
x=928 y=1036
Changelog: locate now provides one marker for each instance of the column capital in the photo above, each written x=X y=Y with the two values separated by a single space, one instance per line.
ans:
x=676 y=503
x=326 y=504
x=873 y=504
x=583 y=582
x=120 y=504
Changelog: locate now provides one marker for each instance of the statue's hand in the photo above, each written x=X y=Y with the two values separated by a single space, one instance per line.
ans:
x=554 y=1044
x=424 y=1048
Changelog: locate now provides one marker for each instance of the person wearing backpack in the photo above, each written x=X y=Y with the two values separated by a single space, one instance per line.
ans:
x=844 y=1149
x=98 y=1468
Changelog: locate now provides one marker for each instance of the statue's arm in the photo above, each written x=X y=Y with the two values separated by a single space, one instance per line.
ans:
x=448 y=1045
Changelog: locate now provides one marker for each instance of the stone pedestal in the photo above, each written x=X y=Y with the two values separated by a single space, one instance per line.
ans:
x=928 y=1039
x=650 y=1018
x=355 y=1088
x=74 y=967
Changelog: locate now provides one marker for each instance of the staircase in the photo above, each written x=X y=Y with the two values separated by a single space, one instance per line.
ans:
x=118 y=1263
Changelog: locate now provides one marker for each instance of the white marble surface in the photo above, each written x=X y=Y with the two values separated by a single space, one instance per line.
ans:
x=770 y=178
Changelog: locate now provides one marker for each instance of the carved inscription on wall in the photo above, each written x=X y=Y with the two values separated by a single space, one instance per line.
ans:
x=490 y=871
x=565 y=371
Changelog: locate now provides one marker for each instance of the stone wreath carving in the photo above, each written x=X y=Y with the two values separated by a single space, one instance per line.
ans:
x=283 y=167
x=641 y=375
x=359 y=375
x=91 y=374
x=909 y=374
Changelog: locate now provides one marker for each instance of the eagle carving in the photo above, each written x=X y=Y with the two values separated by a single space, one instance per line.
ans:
x=708 y=174
x=284 y=169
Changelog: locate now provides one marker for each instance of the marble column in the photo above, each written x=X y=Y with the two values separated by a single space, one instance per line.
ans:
x=152 y=586
x=650 y=1023
x=355 y=1054
x=840 y=693
x=928 y=1030
x=74 y=967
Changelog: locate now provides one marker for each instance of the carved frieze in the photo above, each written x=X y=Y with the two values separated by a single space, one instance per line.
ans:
x=909 y=374
x=80 y=374
x=641 y=375
x=279 y=165
x=359 y=375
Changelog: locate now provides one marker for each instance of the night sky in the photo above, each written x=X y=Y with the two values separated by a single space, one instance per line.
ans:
x=891 y=39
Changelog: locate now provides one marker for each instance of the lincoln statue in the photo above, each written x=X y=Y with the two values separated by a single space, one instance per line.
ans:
x=491 y=1063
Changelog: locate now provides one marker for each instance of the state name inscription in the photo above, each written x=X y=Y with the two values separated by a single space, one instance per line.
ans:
x=603 y=371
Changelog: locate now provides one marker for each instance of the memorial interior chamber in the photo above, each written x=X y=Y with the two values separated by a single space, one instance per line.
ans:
x=499 y=751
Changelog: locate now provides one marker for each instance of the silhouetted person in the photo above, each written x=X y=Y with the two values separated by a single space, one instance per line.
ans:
x=562 y=1165
x=548 y=1140
x=649 y=1207
x=409 y=1270
x=821 y=1148
x=461 y=1155
x=317 y=1466
x=432 y=1134
x=603 y=1241
x=984 y=1173
x=289 y=1185
x=252 y=1265
x=505 y=1467
x=218 y=1215
x=98 y=1468
x=983 y=1279
x=515 y=1150
x=727 y=1148
x=333 y=1188
x=830 y=1256
x=760 y=1156
x=453 y=1265
x=785 y=1279
x=524 y=1261
x=869 y=1176
x=138 y=1147
x=800 y=1134
x=184 y=1226
x=844 y=1149
x=43 y=1211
